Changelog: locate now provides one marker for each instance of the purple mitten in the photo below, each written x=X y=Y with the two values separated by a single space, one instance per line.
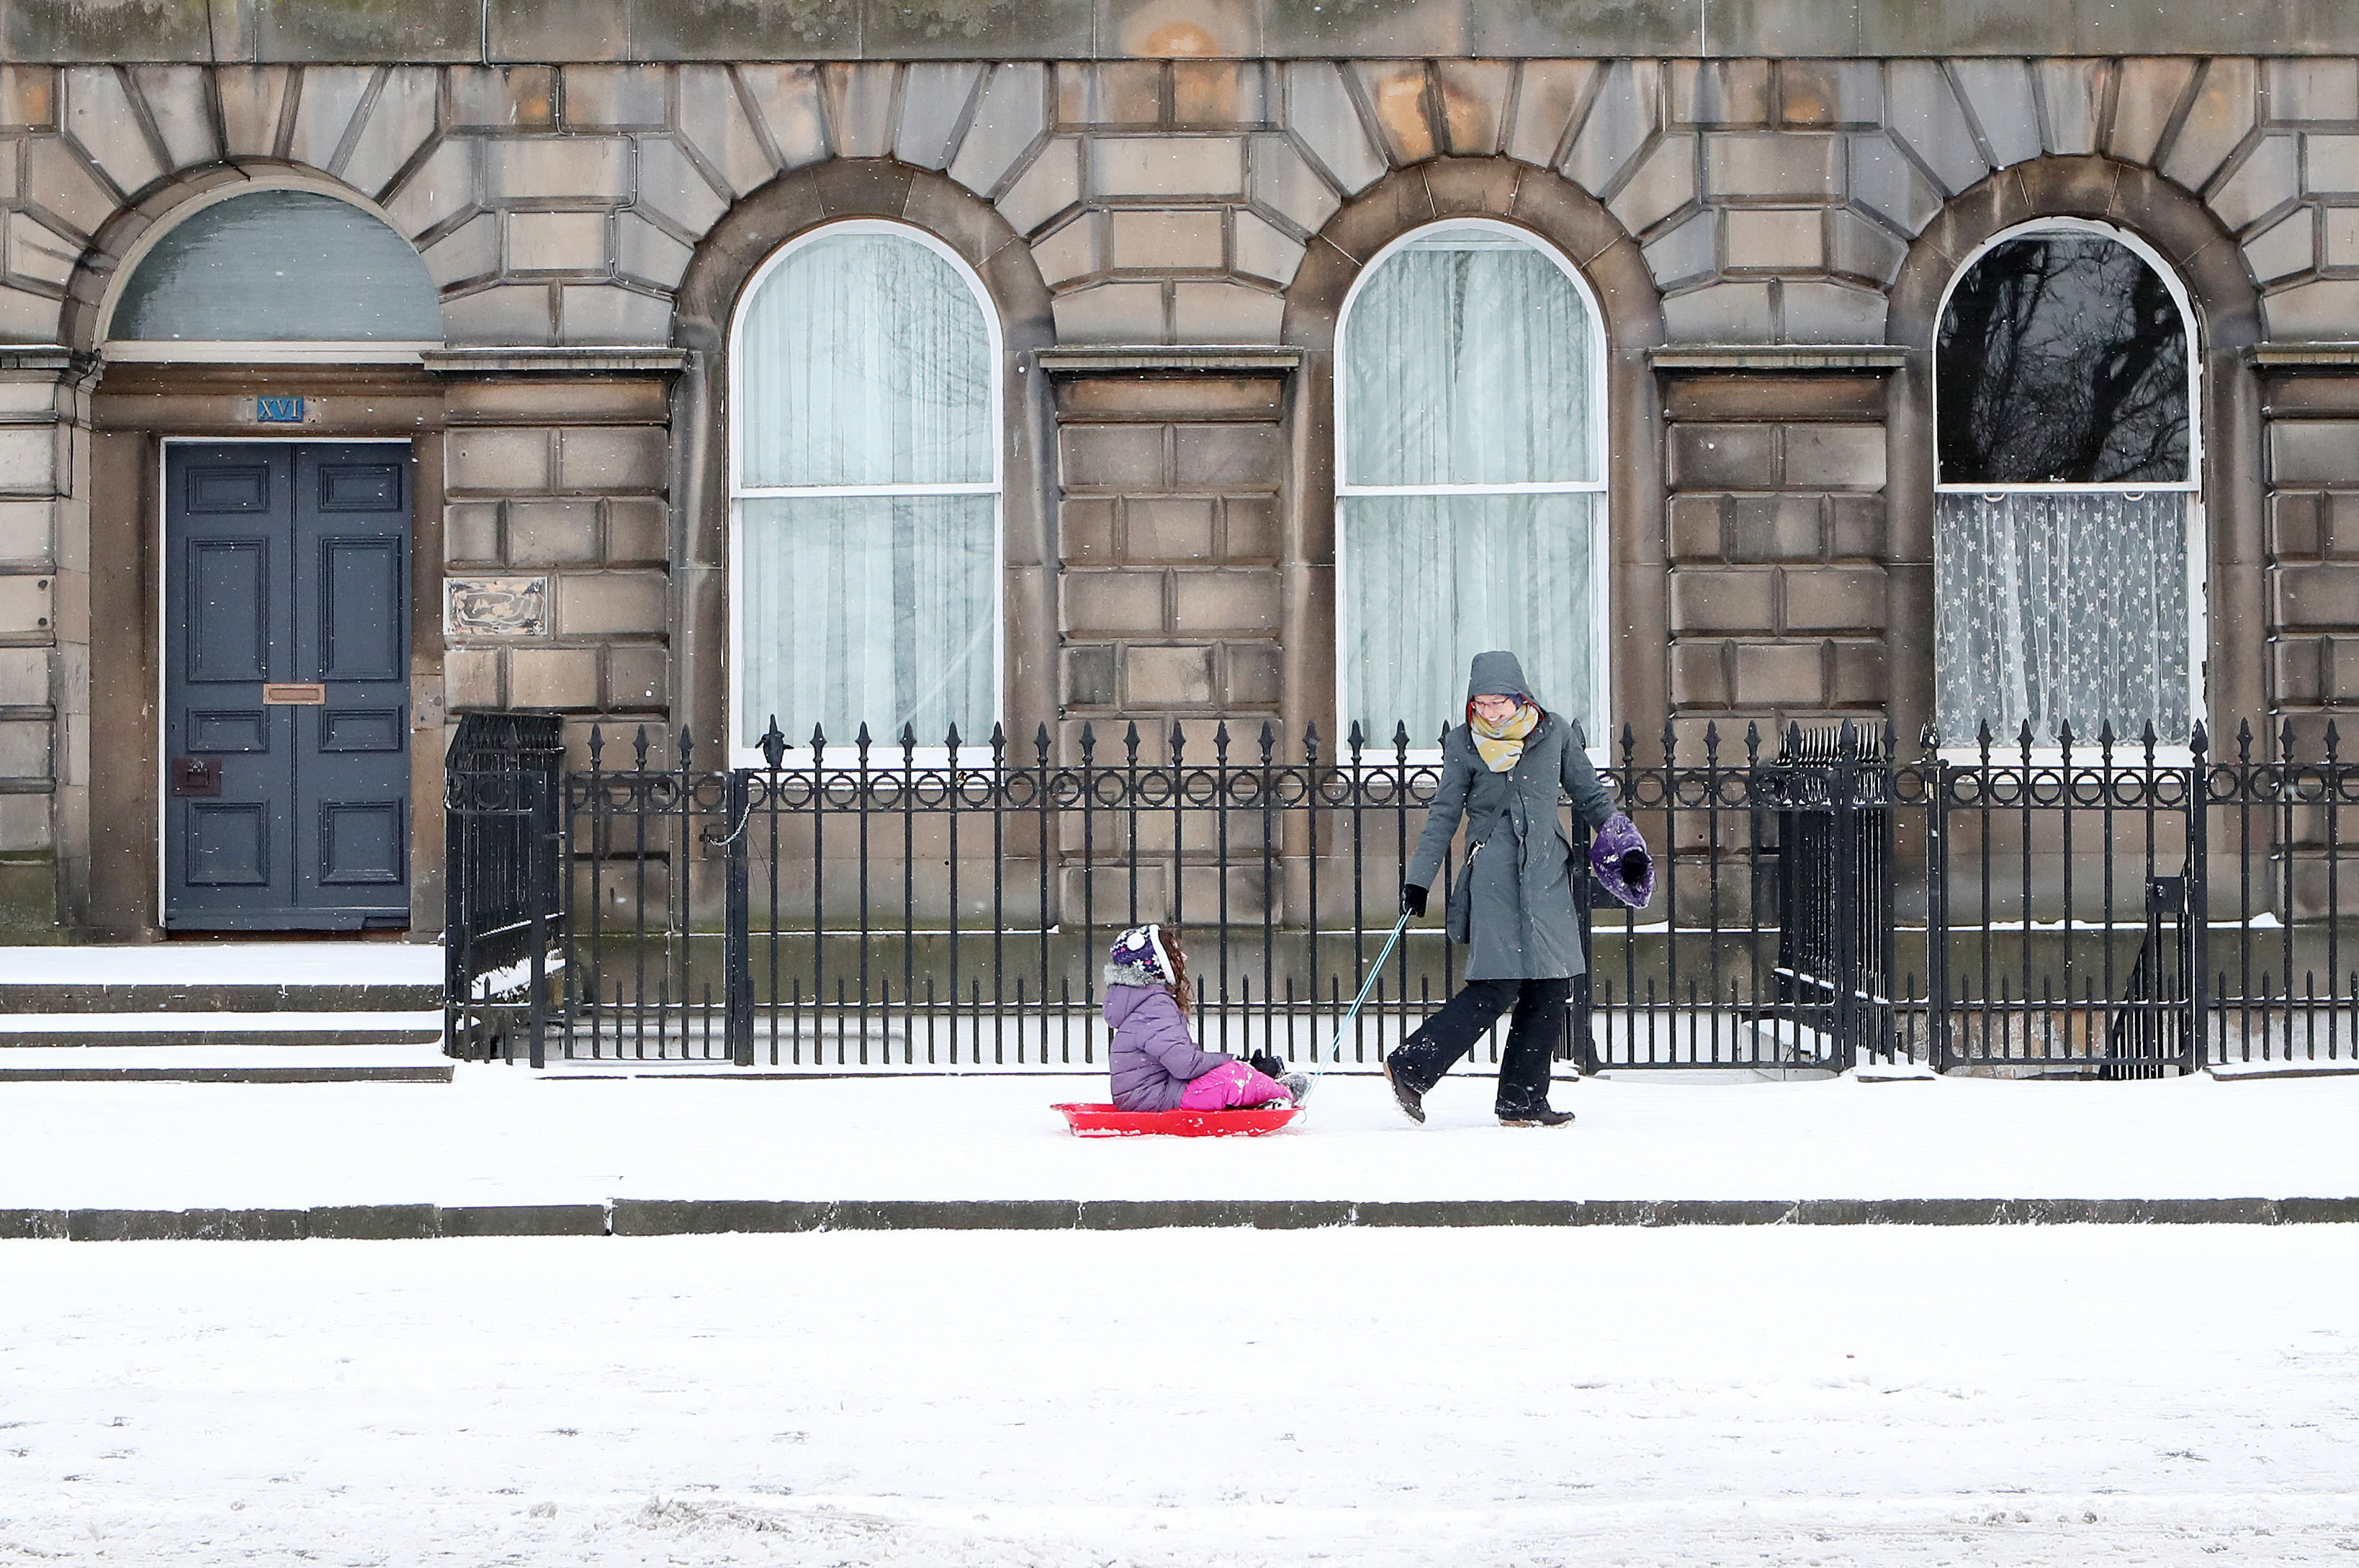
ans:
x=1618 y=855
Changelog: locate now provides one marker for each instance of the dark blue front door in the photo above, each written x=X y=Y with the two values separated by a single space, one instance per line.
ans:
x=286 y=686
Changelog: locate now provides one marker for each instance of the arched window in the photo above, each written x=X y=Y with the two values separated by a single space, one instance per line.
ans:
x=864 y=492
x=1471 y=497
x=276 y=265
x=2067 y=560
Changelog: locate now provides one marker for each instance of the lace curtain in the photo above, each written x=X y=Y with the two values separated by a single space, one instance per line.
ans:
x=2062 y=606
x=1466 y=362
x=864 y=359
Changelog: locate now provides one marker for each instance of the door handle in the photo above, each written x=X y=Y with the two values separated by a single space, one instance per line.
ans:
x=196 y=776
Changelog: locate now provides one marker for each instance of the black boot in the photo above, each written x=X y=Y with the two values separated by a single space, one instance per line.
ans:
x=1538 y=1115
x=1411 y=1102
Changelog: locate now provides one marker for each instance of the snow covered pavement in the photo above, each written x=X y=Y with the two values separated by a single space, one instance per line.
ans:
x=505 y=1136
x=2004 y=1397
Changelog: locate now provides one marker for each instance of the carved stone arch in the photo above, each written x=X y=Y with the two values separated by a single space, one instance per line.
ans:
x=2205 y=256
x=1567 y=219
x=126 y=237
x=726 y=259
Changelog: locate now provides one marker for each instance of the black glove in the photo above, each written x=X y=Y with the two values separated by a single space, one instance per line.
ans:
x=1412 y=899
x=1268 y=1066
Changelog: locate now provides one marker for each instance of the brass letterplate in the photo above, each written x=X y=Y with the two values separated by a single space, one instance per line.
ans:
x=296 y=693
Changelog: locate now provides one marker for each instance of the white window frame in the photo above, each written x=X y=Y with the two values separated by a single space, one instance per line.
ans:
x=2009 y=748
x=885 y=750
x=1379 y=749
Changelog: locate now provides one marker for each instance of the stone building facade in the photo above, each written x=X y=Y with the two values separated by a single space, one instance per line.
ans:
x=1168 y=204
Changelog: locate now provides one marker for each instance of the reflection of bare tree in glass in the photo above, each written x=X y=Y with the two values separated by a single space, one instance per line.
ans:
x=2063 y=359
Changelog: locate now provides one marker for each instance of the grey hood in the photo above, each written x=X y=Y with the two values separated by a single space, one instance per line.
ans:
x=1496 y=674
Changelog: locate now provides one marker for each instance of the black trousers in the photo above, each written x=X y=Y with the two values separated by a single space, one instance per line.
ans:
x=1448 y=1034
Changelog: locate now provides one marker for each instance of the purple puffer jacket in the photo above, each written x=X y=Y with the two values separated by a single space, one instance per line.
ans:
x=1154 y=1058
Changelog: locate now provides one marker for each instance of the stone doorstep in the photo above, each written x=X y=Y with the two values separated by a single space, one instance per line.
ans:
x=17 y=997
x=362 y=1031
x=640 y=1216
x=318 y=1075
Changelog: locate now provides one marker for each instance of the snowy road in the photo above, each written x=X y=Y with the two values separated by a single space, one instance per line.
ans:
x=1999 y=1398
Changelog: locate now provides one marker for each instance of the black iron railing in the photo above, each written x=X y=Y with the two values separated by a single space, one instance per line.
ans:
x=503 y=789
x=2113 y=910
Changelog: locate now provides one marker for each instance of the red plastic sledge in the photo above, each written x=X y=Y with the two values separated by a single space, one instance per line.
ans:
x=1106 y=1122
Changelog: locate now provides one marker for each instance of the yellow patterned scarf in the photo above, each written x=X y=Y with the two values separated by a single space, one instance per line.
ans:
x=1501 y=745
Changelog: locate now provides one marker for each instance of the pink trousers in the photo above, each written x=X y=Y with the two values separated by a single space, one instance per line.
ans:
x=1230 y=1085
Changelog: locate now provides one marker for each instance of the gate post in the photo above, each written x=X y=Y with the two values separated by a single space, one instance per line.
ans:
x=737 y=944
x=2194 y=1049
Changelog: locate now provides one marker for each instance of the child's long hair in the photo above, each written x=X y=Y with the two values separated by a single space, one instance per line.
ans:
x=1181 y=991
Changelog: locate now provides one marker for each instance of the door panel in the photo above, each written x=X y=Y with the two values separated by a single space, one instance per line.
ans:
x=288 y=566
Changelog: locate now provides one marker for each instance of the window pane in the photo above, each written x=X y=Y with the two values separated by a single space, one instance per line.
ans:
x=1430 y=581
x=867 y=609
x=864 y=359
x=2063 y=358
x=1467 y=361
x=289 y=266
x=2055 y=608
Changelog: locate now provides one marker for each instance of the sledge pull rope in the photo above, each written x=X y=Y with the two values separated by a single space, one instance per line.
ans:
x=1335 y=1046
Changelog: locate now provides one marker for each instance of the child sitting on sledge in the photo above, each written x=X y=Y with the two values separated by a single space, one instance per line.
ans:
x=1157 y=1065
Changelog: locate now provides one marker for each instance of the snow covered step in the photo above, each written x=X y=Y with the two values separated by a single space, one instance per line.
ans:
x=274 y=995
x=26 y=1031
x=235 y=1064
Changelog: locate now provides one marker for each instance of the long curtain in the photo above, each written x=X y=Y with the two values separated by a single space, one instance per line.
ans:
x=2062 y=606
x=863 y=359
x=1431 y=580
x=1466 y=362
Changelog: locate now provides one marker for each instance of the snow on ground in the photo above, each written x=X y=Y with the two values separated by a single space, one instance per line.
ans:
x=227 y=963
x=504 y=1135
x=2012 y=1398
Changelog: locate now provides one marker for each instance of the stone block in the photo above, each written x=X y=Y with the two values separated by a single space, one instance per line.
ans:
x=1779 y=674
x=1758 y=165
x=1088 y=676
x=1622 y=117
x=1858 y=674
x=1860 y=247
x=1395 y=91
x=1321 y=113
x=28 y=318
x=2072 y=93
x=1113 y=602
x=2147 y=95
x=624 y=459
x=600 y=604
x=1009 y=118
x=1835 y=457
x=1085 y=533
x=1111 y=313
x=1857 y=526
x=1694 y=528
x=2325 y=594
x=858 y=102
x=324 y=105
x=615 y=97
x=2311 y=88
x=1720 y=92
x=2290 y=245
x=437 y=189
x=1722 y=313
x=99 y=116
x=1166 y=166
x=1701 y=674
x=2327 y=308
x=1229 y=598
x=714 y=123
x=644 y=250
x=1814 y=312
x=2226 y=105
x=2298 y=526
x=552 y=533
x=25 y=749
x=1686 y=253
x=28 y=97
x=1545 y=97
x=1262 y=250
x=1777 y=239
x=496 y=459
x=553 y=677
x=1158 y=240
x=1255 y=674
x=1178 y=528
x=1927 y=118
x=609 y=313
x=64 y=185
x=1167 y=678
x=251 y=99
x=557 y=241
x=1219 y=92
x=37 y=251
x=511 y=313
x=670 y=185
x=1109 y=92
x=1835 y=598
x=788 y=99
x=1723 y=456
x=592 y=168
x=1112 y=456
x=1663 y=183
x=28 y=459
x=934 y=99
x=1229 y=456
x=399 y=122
x=25 y=677
x=1224 y=313
x=1884 y=181
x=1757 y=528
x=1714 y=601
x=2313 y=451
x=471 y=679
x=1071 y=250
x=2268 y=178
x=1280 y=180
x=1828 y=93
x=175 y=97
x=471 y=533
x=1051 y=184
x=637 y=532
x=1999 y=94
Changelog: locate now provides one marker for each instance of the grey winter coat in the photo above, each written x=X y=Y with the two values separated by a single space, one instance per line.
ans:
x=1513 y=898
x=1154 y=1058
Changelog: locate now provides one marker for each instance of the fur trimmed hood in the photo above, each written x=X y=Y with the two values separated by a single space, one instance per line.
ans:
x=1132 y=975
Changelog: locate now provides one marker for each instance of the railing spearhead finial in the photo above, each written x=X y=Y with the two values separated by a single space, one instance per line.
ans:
x=1130 y=742
x=1089 y=741
x=2244 y=739
x=1040 y=742
x=1311 y=744
x=1268 y=741
x=2199 y=741
x=640 y=750
x=1179 y=742
x=1221 y=742
x=1712 y=742
x=597 y=746
x=1752 y=743
x=774 y=745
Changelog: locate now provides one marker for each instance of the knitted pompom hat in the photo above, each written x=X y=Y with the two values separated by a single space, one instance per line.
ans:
x=1138 y=958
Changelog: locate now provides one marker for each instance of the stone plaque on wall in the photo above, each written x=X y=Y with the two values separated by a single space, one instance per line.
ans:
x=495 y=607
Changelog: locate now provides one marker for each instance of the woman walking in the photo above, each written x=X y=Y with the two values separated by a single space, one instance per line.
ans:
x=1500 y=769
